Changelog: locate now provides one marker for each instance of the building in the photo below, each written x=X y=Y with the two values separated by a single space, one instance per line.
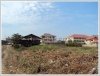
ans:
x=48 y=38
x=30 y=40
x=82 y=39
x=77 y=38
x=92 y=40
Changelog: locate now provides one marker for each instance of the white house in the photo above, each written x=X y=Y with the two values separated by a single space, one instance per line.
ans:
x=48 y=38
x=77 y=38
x=83 y=39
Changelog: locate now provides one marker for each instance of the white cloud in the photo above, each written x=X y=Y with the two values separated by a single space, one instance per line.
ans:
x=26 y=15
x=21 y=12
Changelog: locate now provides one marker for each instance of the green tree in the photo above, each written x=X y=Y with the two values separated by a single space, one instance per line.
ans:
x=69 y=41
x=16 y=38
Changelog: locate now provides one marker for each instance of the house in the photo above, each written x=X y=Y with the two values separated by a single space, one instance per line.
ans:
x=82 y=39
x=76 y=38
x=30 y=40
x=92 y=40
x=48 y=38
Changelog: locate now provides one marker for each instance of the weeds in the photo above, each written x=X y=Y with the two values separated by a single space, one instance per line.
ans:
x=50 y=59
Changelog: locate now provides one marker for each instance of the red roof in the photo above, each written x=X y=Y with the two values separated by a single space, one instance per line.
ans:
x=79 y=36
x=92 y=38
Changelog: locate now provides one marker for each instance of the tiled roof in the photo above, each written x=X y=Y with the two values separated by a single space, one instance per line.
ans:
x=79 y=36
x=95 y=38
x=92 y=37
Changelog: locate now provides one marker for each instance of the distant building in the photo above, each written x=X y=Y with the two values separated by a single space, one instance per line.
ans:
x=30 y=40
x=48 y=38
x=82 y=39
x=92 y=40
x=77 y=38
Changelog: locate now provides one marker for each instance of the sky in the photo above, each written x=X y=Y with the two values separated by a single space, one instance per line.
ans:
x=58 y=18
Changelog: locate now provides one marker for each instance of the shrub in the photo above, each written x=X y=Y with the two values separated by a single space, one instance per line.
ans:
x=16 y=46
x=74 y=44
x=16 y=38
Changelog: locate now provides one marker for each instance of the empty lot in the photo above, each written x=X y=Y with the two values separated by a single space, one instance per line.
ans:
x=49 y=59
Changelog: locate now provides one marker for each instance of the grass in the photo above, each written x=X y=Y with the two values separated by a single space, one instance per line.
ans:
x=50 y=59
x=43 y=48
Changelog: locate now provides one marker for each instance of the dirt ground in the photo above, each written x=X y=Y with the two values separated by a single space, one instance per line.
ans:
x=49 y=59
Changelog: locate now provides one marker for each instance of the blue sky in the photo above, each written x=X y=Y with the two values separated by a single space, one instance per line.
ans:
x=57 y=18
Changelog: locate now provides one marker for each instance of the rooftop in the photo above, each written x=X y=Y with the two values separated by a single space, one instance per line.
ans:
x=79 y=35
x=31 y=35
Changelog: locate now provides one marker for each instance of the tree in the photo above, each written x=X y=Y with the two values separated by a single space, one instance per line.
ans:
x=8 y=39
x=69 y=41
x=16 y=38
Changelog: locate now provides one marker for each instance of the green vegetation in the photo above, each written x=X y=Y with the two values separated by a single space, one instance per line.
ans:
x=50 y=59
x=74 y=44
x=16 y=40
